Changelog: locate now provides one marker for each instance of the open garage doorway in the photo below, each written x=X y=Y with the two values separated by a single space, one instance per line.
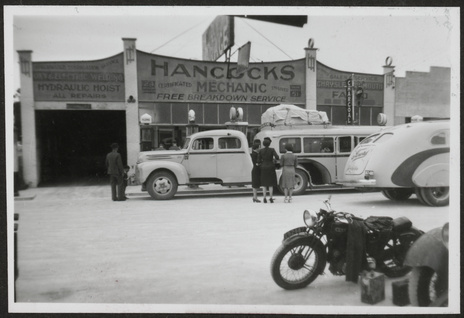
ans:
x=72 y=145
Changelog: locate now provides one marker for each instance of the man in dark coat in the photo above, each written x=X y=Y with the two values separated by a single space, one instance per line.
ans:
x=116 y=172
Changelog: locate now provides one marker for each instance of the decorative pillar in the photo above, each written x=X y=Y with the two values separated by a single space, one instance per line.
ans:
x=132 y=101
x=29 y=141
x=389 y=91
x=311 y=76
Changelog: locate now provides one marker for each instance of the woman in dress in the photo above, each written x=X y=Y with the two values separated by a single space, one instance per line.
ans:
x=268 y=173
x=255 y=172
x=288 y=162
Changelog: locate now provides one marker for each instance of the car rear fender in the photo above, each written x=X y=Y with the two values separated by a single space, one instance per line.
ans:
x=435 y=175
x=429 y=251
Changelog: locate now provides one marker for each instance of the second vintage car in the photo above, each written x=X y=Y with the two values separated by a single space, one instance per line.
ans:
x=215 y=156
x=402 y=160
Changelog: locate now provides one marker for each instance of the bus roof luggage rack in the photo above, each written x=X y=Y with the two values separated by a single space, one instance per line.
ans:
x=286 y=116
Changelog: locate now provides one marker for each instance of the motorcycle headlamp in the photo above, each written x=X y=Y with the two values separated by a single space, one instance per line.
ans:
x=310 y=218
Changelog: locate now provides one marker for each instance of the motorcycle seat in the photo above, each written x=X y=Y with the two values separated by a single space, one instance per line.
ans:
x=401 y=224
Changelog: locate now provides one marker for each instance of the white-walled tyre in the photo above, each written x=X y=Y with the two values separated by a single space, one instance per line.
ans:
x=398 y=194
x=436 y=196
x=162 y=185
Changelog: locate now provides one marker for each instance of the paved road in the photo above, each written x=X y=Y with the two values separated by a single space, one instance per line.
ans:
x=191 y=254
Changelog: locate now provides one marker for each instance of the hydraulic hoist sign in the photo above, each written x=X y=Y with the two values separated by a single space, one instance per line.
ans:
x=349 y=101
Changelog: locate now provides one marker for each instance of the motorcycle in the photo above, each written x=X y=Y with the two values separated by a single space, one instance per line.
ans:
x=348 y=243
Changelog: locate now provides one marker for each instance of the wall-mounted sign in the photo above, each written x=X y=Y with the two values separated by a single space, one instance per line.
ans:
x=243 y=60
x=79 y=106
x=101 y=80
x=146 y=119
x=331 y=87
x=349 y=101
x=218 y=37
x=166 y=79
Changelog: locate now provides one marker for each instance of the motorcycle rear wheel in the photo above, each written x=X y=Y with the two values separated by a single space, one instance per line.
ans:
x=395 y=251
x=298 y=264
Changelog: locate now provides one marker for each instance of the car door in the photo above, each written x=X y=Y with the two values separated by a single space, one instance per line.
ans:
x=200 y=161
x=233 y=160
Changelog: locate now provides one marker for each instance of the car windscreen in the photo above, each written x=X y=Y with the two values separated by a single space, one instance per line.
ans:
x=369 y=139
x=186 y=143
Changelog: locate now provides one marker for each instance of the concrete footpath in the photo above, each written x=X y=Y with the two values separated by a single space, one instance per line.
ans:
x=134 y=191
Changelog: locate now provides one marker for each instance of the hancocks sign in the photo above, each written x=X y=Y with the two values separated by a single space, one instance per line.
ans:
x=166 y=79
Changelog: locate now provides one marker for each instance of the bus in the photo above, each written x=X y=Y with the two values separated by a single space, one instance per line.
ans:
x=322 y=151
x=403 y=160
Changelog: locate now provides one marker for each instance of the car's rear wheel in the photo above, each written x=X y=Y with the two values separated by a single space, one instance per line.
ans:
x=398 y=194
x=435 y=196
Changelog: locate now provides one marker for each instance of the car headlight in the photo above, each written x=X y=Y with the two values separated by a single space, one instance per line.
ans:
x=310 y=218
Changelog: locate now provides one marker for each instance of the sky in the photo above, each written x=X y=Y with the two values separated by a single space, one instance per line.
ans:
x=354 y=39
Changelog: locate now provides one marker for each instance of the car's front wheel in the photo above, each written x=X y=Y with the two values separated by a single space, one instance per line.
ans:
x=162 y=185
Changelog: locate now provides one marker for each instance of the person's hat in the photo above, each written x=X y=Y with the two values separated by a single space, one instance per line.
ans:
x=114 y=145
x=267 y=138
x=289 y=147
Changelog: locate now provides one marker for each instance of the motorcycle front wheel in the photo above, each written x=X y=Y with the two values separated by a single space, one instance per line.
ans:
x=424 y=287
x=297 y=264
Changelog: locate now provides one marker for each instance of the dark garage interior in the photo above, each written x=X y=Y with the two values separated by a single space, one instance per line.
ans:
x=72 y=145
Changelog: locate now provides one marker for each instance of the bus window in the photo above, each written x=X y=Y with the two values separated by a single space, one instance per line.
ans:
x=345 y=144
x=318 y=145
x=295 y=142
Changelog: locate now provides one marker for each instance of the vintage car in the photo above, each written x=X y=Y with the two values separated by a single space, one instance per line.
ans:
x=402 y=160
x=429 y=259
x=213 y=156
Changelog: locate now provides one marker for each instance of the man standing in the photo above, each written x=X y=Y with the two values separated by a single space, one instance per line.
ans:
x=116 y=172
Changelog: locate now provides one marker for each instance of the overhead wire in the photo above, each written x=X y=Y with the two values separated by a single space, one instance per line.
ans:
x=268 y=40
x=180 y=34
